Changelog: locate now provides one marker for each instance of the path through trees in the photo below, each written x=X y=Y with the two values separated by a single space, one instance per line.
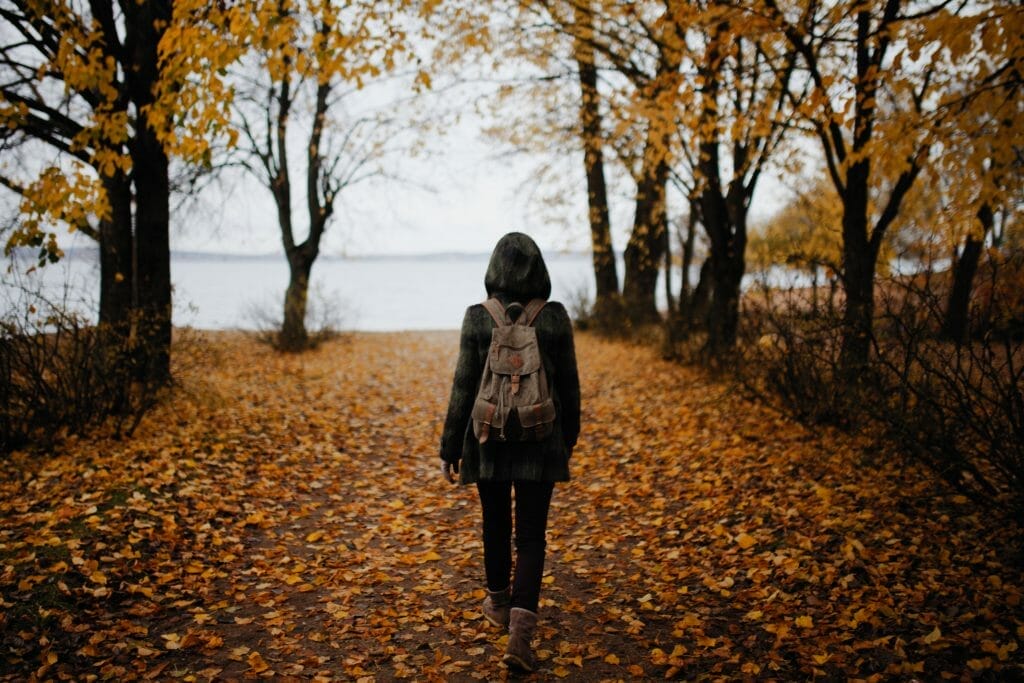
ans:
x=284 y=515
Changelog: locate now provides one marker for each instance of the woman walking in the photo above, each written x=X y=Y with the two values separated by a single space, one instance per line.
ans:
x=502 y=435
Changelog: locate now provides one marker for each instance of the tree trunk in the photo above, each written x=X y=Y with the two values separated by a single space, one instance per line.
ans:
x=832 y=288
x=727 y=266
x=646 y=242
x=814 y=288
x=699 y=304
x=153 y=257
x=725 y=221
x=681 y=319
x=145 y=23
x=858 y=277
x=115 y=246
x=688 y=247
x=723 y=210
x=669 y=294
x=955 y=325
x=605 y=272
x=294 y=336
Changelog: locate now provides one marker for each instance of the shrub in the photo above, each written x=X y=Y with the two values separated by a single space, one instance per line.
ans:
x=958 y=408
x=326 y=317
x=60 y=374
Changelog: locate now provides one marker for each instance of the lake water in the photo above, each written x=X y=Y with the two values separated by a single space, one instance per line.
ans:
x=372 y=294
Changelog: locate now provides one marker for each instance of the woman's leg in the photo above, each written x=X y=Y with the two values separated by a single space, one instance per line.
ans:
x=532 y=501
x=496 y=505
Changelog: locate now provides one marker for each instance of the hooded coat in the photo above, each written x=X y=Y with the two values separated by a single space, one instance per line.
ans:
x=516 y=273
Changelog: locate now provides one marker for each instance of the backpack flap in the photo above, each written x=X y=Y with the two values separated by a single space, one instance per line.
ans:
x=514 y=351
x=484 y=416
x=540 y=418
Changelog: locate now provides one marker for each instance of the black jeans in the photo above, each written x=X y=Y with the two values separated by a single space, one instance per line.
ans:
x=532 y=501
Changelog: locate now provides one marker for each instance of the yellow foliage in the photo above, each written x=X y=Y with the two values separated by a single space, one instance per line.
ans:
x=806 y=234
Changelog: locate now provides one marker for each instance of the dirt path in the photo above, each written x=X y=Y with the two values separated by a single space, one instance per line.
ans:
x=284 y=517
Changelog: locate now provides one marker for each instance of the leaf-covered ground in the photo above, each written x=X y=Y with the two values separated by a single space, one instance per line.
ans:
x=283 y=516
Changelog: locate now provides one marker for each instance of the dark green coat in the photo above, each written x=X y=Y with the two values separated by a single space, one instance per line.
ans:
x=516 y=273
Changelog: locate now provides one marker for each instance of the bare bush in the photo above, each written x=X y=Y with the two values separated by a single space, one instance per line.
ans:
x=790 y=356
x=60 y=374
x=580 y=303
x=956 y=407
x=327 y=316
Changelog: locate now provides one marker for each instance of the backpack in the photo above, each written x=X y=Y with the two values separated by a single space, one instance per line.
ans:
x=513 y=402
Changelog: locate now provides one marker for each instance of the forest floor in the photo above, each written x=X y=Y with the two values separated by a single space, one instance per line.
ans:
x=284 y=517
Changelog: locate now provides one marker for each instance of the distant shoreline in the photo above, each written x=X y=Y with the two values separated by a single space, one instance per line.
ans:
x=92 y=253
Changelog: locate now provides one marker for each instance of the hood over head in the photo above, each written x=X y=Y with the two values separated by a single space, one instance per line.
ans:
x=517 y=269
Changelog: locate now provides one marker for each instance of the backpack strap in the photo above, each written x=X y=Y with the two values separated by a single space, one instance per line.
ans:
x=533 y=309
x=497 y=312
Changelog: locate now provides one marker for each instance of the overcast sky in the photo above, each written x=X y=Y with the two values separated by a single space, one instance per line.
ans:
x=461 y=195
x=476 y=196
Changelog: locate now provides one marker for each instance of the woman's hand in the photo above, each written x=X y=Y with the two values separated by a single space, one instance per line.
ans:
x=448 y=469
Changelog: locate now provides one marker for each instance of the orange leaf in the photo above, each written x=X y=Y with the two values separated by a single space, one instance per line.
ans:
x=256 y=663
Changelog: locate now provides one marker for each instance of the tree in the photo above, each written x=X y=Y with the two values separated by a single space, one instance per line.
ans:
x=881 y=75
x=315 y=56
x=699 y=100
x=584 y=40
x=592 y=137
x=96 y=93
x=651 y=73
x=805 y=235
x=740 y=122
x=541 y=53
x=983 y=159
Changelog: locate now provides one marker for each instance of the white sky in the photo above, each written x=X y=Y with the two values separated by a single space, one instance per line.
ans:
x=477 y=195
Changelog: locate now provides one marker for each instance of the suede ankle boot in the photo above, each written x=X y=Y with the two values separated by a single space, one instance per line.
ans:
x=496 y=607
x=519 y=653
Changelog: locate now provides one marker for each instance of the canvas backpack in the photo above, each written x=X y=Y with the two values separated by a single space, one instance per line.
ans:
x=513 y=402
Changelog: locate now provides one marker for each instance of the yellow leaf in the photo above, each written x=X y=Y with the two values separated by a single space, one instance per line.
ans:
x=611 y=659
x=932 y=637
x=745 y=540
x=561 y=671
x=98 y=577
x=805 y=622
x=314 y=537
x=173 y=641
x=431 y=556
